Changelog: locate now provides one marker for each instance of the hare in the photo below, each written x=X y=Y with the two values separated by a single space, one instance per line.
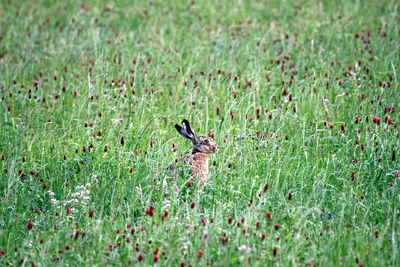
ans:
x=198 y=160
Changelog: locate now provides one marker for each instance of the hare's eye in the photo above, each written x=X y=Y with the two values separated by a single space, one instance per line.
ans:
x=206 y=142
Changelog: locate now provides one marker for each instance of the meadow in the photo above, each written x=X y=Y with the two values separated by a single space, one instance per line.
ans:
x=302 y=98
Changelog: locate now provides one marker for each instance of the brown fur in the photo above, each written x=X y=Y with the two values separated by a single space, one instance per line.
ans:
x=198 y=160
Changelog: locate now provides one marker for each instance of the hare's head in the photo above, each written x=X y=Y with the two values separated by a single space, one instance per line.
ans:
x=200 y=143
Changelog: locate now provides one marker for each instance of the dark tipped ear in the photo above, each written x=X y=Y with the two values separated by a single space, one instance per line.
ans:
x=188 y=128
x=182 y=131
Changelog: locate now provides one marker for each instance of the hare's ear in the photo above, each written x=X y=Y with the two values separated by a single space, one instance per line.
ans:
x=188 y=128
x=182 y=131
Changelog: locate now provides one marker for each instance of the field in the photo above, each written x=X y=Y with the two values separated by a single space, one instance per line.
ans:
x=302 y=97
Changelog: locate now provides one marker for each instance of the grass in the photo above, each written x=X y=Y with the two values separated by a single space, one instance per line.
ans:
x=290 y=79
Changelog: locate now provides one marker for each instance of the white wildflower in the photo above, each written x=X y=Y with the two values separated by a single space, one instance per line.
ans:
x=242 y=247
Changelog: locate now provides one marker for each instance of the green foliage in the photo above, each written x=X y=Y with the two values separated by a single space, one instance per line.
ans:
x=298 y=86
